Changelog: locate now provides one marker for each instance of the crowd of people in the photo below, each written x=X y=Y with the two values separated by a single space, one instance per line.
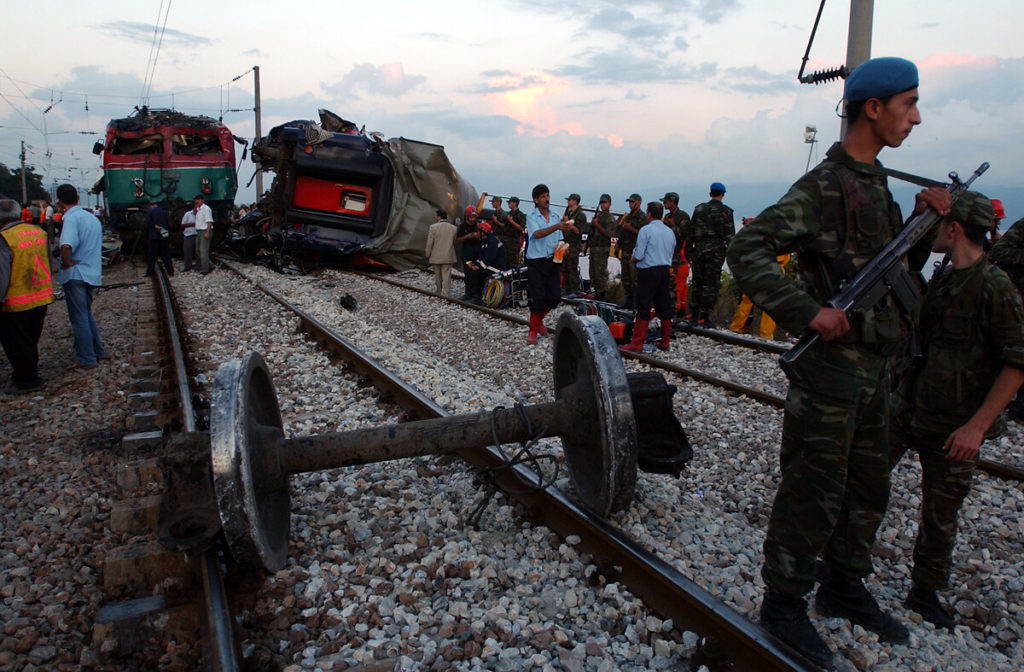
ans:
x=698 y=242
x=846 y=425
x=26 y=283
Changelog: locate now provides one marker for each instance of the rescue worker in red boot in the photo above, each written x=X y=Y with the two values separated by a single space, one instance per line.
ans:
x=655 y=245
x=543 y=280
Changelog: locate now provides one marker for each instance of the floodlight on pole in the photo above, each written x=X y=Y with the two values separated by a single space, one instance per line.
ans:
x=810 y=138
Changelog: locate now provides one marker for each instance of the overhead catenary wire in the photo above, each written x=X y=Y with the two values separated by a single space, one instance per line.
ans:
x=154 y=51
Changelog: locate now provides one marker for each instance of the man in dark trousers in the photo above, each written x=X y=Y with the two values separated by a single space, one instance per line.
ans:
x=26 y=289
x=544 y=232
x=835 y=452
x=707 y=237
x=159 y=236
x=952 y=399
x=653 y=257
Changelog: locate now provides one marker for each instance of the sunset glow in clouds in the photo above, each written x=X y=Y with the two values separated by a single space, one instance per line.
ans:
x=524 y=98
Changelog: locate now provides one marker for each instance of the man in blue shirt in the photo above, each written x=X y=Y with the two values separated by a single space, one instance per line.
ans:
x=81 y=269
x=655 y=244
x=543 y=280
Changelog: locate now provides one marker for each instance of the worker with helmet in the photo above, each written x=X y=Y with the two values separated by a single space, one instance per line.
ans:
x=471 y=238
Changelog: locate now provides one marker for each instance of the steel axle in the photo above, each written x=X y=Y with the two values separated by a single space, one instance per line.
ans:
x=600 y=413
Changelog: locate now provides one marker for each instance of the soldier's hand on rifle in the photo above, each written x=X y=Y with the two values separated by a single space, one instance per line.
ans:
x=936 y=198
x=830 y=323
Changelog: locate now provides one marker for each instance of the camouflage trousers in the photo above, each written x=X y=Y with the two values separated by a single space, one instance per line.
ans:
x=706 y=262
x=944 y=486
x=571 y=269
x=835 y=467
x=599 y=268
x=628 y=266
x=512 y=251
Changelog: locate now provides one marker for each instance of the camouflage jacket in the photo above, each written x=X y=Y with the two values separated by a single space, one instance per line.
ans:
x=627 y=239
x=972 y=324
x=1008 y=253
x=711 y=221
x=835 y=218
x=679 y=222
x=579 y=220
x=598 y=239
x=509 y=232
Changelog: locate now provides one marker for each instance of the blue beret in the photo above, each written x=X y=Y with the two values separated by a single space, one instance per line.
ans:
x=879 y=78
x=718 y=186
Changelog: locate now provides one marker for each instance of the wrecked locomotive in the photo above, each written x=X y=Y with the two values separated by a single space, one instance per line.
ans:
x=166 y=157
x=342 y=196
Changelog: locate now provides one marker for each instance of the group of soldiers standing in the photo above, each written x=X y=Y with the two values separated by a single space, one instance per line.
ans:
x=701 y=241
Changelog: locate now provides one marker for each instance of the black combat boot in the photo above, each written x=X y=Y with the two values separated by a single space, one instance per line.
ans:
x=786 y=618
x=926 y=603
x=845 y=597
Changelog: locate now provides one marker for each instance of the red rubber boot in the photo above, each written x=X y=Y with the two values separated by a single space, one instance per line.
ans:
x=541 y=329
x=531 y=338
x=639 y=336
x=666 y=335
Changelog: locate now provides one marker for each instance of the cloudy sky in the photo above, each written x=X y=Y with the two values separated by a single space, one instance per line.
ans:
x=587 y=96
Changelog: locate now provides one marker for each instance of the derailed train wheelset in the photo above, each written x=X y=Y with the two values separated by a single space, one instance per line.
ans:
x=609 y=422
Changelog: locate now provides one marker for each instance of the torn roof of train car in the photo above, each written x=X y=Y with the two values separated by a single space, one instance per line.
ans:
x=145 y=117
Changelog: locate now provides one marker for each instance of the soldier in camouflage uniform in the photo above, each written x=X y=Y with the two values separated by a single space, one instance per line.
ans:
x=972 y=333
x=629 y=226
x=574 y=236
x=600 y=242
x=711 y=228
x=835 y=441
x=1007 y=252
x=679 y=222
x=511 y=233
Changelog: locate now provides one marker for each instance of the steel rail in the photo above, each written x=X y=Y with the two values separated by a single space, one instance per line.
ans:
x=666 y=590
x=224 y=655
x=998 y=469
x=714 y=334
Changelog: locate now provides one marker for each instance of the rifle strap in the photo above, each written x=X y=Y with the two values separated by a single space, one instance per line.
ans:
x=913 y=179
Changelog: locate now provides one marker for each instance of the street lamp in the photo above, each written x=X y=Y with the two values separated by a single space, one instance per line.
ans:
x=810 y=137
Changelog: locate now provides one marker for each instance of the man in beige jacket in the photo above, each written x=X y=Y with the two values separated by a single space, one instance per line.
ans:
x=440 y=251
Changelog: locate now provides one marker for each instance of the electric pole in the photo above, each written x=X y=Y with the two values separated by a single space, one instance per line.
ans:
x=259 y=128
x=24 y=187
x=858 y=41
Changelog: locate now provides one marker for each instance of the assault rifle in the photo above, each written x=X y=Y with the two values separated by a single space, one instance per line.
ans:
x=883 y=274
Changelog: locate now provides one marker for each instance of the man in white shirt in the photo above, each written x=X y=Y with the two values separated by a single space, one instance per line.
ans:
x=204 y=230
x=188 y=240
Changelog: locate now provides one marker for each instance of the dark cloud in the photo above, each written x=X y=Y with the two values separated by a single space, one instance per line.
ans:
x=388 y=79
x=144 y=34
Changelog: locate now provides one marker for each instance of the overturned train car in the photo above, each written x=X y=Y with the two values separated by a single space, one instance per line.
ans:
x=346 y=197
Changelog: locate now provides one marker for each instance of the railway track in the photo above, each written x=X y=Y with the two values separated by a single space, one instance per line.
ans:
x=992 y=467
x=729 y=639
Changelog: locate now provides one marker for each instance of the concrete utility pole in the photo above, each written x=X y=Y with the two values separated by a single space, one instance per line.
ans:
x=259 y=127
x=24 y=187
x=858 y=40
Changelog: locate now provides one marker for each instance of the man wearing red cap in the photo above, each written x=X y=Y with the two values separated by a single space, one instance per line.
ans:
x=470 y=237
x=490 y=260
